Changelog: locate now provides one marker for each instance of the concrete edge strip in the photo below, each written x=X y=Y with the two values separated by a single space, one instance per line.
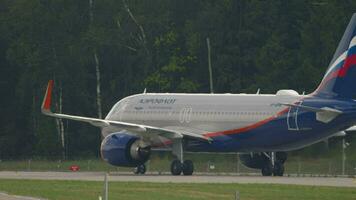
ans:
x=16 y=197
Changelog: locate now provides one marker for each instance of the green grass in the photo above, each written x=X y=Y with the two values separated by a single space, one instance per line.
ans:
x=51 y=165
x=66 y=190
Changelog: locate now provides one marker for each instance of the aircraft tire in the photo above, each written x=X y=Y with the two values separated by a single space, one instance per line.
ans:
x=281 y=156
x=267 y=169
x=188 y=167
x=176 y=167
x=278 y=169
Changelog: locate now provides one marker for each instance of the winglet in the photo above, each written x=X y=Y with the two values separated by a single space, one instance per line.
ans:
x=46 y=104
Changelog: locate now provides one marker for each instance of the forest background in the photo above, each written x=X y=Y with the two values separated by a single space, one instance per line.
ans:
x=99 y=51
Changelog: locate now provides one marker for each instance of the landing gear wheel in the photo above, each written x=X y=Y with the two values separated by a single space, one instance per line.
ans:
x=281 y=156
x=267 y=170
x=278 y=169
x=176 y=167
x=141 y=169
x=188 y=167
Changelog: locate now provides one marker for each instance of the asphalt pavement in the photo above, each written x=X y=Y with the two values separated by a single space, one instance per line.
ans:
x=126 y=177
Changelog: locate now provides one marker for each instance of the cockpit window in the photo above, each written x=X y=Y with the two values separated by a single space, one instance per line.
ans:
x=118 y=109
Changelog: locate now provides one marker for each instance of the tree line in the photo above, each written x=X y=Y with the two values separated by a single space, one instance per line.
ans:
x=98 y=52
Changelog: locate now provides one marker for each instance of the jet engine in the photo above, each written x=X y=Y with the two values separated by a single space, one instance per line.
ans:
x=254 y=160
x=123 y=149
x=260 y=160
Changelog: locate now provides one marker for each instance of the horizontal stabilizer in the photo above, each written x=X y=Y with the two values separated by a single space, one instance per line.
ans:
x=353 y=128
x=324 y=114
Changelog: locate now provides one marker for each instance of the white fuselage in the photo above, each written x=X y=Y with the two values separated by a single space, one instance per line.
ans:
x=198 y=113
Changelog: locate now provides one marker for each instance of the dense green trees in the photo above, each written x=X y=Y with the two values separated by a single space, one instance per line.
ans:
x=159 y=45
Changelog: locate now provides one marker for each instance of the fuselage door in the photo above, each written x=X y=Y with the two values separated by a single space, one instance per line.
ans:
x=185 y=115
x=292 y=117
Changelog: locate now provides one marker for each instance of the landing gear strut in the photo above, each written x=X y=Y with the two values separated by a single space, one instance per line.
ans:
x=274 y=164
x=180 y=165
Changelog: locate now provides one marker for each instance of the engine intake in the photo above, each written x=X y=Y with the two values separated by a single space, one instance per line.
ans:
x=124 y=149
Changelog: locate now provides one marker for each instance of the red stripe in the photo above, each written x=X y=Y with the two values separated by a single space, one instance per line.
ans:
x=163 y=144
x=246 y=128
x=350 y=61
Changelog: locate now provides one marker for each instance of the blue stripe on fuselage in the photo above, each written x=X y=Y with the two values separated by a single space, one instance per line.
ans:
x=275 y=136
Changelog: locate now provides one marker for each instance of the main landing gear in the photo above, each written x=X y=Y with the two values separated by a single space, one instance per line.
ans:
x=180 y=165
x=274 y=164
x=186 y=167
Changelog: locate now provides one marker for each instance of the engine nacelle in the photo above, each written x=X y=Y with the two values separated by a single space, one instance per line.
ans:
x=259 y=160
x=122 y=149
x=254 y=160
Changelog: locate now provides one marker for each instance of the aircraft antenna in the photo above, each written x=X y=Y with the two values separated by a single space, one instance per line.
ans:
x=144 y=91
x=209 y=65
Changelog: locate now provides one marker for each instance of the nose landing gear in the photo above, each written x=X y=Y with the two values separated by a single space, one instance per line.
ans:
x=141 y=169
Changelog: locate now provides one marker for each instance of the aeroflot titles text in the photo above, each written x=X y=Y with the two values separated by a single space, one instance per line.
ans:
x=158 y=101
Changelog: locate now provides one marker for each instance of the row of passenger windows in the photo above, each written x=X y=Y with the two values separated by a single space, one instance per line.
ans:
x=198 y=112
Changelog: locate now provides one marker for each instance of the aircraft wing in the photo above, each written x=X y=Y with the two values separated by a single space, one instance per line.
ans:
x=140 y=129
x=187 y=131
x=350 y=130
x=324 y=114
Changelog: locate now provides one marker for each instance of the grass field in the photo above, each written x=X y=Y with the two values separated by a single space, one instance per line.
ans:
x=66 y=190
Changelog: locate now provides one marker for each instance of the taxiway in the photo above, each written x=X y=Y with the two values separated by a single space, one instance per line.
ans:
x=99 y=176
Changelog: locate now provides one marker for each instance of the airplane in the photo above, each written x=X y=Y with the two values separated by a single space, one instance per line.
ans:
x=263 y=127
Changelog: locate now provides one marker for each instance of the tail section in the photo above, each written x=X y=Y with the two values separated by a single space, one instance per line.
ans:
x=340 y=78
x=46 y=104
